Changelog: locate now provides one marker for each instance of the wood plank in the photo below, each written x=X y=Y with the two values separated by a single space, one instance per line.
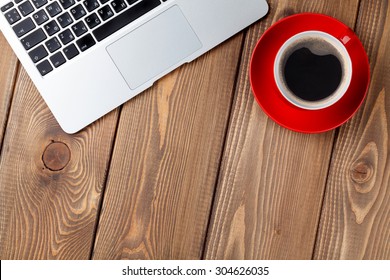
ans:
x=165 y=162
x=355 y=219
x=272 y=180
x=50 y=182
x=8 y=69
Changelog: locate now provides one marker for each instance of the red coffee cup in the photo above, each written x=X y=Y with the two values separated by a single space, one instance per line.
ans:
x=279 y=104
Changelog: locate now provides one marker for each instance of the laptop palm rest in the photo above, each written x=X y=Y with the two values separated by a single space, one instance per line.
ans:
x=154 y=47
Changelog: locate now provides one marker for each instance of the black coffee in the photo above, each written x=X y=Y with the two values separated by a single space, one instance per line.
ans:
x=312 y=77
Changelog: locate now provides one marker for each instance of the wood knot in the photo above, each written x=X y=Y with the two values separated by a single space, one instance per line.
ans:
x=56 y=156
x=361 y=172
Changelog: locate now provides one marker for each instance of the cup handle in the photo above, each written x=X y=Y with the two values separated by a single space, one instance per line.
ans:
x=347 y=36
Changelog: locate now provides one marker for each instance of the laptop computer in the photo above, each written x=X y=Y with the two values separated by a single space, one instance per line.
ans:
x=87 y=57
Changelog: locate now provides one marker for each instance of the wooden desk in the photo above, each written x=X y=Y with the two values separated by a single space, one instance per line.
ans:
x=192 y=168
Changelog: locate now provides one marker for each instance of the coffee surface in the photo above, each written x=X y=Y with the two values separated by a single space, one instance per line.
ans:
x=312 y=77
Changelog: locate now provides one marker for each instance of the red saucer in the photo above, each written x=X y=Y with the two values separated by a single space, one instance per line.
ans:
x=272 y=101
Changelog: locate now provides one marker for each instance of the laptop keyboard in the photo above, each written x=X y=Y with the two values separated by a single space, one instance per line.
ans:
x=54 y=32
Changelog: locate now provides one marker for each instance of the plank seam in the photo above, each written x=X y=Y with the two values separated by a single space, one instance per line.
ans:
x=335 y=138
x=234 y=90
x=104 y=187
x=8 y=110
x=357 y=15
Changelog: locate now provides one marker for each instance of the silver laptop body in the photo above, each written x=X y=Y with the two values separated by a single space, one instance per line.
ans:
x=87 y=57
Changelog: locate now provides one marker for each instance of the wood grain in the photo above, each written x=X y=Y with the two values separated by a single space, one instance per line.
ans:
x=272 y=180
x=50 y=182
x=8 y=72
x=355 y=220
x=165 y=162
x=198 y=134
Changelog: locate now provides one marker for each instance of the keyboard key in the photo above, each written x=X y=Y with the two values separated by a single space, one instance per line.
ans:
x=38 y=54
x=105 y=12
x=79 y=28
x=26 y=8
x=57 y=59
x=51 y=27
x=91 y=4
x=12 y=16
x=44 y=67
x=103 y=1
x=23 y=27
x=92 y=20
x=77 y=12
x=118 y=5
x=66 y=37
x=40 y=17
x=6 y=7
x=70 y=51
x=18 y=1
x=33 y=39
x=125 y=18
x=85 y=42
x=39 y=3
x=53 y=9
x=53 y=44
x=131 y=2
x=64 y=20
x=67 y=3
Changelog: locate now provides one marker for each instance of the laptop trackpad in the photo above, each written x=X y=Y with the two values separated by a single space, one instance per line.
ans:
x=154 y=47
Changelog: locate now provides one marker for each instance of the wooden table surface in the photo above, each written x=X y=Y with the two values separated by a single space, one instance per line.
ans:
x=193 y=169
